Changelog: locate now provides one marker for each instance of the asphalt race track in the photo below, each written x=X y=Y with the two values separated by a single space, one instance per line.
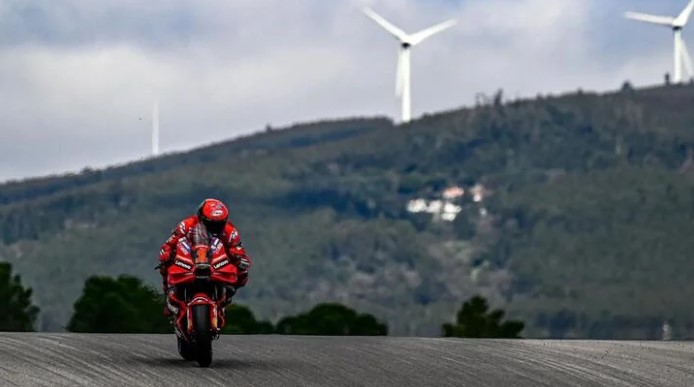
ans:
x=37 y=359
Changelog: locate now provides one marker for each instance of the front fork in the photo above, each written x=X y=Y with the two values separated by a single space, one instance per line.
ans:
x=183 y=312
x=203 y=299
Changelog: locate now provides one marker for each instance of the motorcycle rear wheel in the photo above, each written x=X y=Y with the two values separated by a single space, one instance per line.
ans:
x=185 y=349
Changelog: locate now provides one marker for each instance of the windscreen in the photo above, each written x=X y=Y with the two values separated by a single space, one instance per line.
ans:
x=199 y=236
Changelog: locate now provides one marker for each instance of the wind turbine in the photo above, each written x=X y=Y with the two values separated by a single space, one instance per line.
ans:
x=402 y=81
x=681 y=55
x=155 y=128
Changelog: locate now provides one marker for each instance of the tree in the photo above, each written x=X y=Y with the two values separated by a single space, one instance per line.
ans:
x=17 y=314
x=332 y=319
x=475 y=321
x=119 y=305
x=241 y=321
x=627 y=88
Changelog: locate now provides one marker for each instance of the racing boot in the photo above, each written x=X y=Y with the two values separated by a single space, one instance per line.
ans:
x=229 y=292
x=168 y=313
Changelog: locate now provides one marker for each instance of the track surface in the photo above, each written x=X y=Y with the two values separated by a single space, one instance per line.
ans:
x=151 y=360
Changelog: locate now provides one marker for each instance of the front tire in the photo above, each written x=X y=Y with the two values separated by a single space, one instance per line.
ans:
x=204 y=357
x=203 y=335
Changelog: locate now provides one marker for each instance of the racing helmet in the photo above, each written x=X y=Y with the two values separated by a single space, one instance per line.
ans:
x=213 y=214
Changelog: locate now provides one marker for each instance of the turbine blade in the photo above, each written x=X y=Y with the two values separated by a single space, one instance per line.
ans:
x=683 y=17
x=653 y=19
x=422 y=35
x=397 y=32
x=686 y=58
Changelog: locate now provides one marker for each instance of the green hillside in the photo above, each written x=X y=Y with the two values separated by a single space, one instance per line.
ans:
x=583 y=230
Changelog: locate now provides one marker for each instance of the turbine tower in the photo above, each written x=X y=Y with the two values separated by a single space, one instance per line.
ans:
x=402 y=81
x=155 y=128
x=681 y=55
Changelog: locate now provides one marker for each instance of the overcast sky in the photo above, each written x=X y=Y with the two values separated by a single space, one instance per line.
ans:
x=78 y=77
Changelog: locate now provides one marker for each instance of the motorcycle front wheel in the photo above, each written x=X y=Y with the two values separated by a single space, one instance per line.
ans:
x=203 y=335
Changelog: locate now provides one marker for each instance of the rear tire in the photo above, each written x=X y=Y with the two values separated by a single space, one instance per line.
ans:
x=203 y=335
x=186 y=349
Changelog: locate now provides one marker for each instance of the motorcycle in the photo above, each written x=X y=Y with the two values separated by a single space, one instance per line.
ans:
x=201 y=283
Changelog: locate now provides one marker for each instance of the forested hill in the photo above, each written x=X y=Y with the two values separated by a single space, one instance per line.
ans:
x=577 y=215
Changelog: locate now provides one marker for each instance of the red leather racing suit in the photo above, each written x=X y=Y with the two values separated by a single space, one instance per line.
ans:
x=229 y=237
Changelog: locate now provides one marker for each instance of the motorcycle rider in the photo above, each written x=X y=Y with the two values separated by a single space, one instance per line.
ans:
x=213 y=215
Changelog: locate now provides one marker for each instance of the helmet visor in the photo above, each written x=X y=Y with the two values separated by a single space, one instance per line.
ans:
x=214 y=227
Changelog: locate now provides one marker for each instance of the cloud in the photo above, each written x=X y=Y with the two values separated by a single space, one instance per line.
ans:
x=78 y=78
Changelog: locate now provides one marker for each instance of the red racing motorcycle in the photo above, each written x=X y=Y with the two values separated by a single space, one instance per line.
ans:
x=201 y=280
